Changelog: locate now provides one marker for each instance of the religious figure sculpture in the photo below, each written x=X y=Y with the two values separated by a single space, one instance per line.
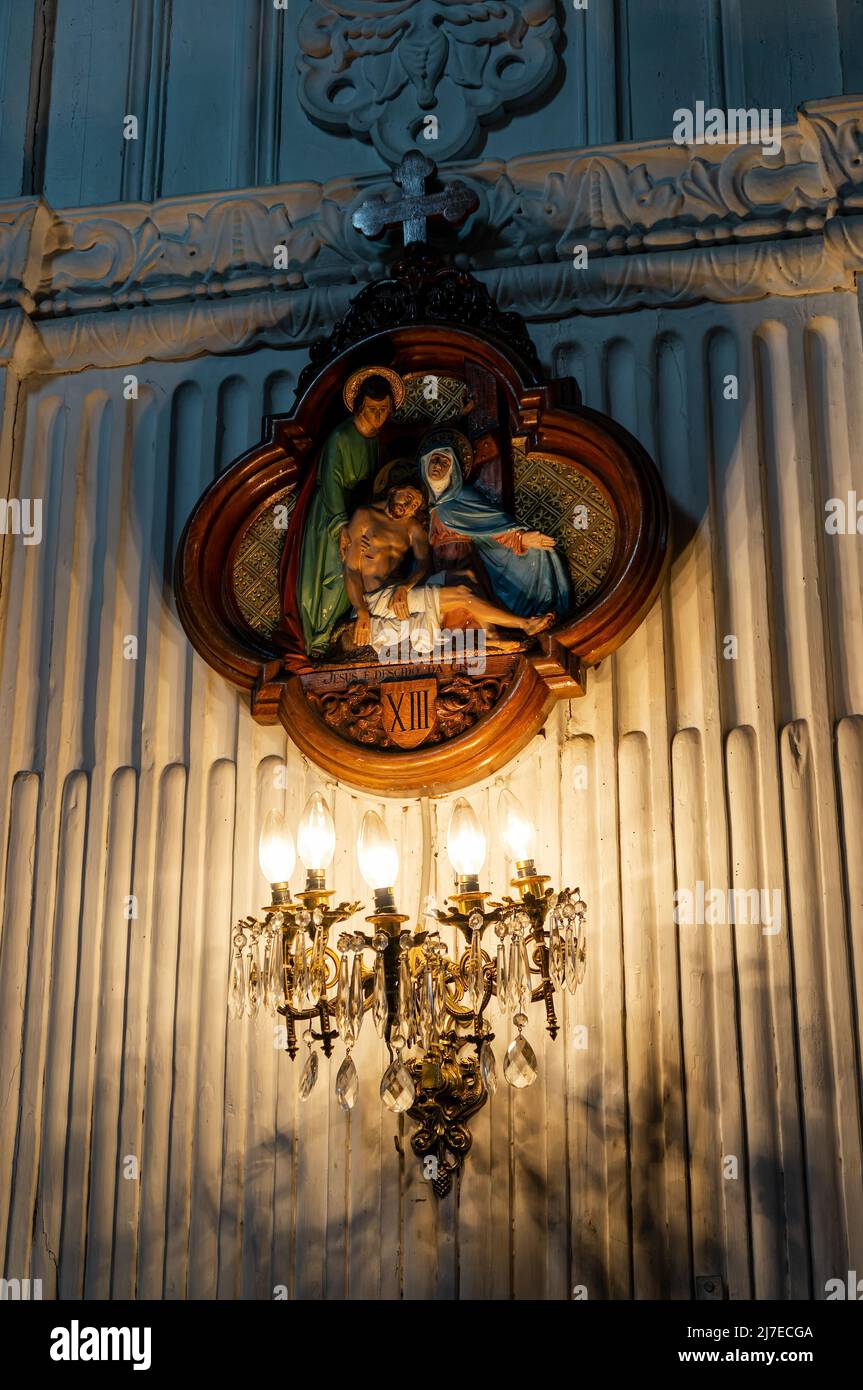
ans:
x=395 y=604
x=314 y=597
x=526 y=574
x=281 y=614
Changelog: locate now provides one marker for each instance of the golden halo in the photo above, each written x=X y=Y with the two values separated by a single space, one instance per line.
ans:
x=400 y=471
x=356 y=379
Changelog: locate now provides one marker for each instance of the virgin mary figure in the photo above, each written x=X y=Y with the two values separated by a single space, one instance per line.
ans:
x=524 y=569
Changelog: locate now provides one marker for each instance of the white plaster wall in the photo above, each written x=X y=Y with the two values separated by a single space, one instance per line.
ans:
x=149 y=777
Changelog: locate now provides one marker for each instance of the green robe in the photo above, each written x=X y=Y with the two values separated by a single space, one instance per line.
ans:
x=347 y=460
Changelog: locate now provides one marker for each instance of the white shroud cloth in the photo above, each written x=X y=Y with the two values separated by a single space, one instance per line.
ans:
x=421 y=630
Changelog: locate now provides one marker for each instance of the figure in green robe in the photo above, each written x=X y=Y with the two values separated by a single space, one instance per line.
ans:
x=350 y=457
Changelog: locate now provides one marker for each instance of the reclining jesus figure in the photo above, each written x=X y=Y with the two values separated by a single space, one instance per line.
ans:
x=387 y=561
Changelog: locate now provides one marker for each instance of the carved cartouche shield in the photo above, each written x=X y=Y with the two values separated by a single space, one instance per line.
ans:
x=416 y=562
x=409 y=710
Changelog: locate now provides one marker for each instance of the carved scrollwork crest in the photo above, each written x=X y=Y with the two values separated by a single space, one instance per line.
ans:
x=375 y=69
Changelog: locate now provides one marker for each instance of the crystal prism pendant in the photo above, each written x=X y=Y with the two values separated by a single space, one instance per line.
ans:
x=265 y=978
x=426 y=1008
x=277 y=971
x=380 y=1007
x=397 y=1088
x=513 y=974
x=556 y=955
x=237 y=993
x=571 y=960
x=428 y=995
x=502 y=978
x=519 y=1064
x=406 y=1000
x=347 y=1084
x=440 y=997
x=309 y=1076
x=524 y=986
x=342 y=993
x=475 y=979
x=298 y=969
x=253 y=986
x=519 y=975
x=488 y=1068
x=305 y=988
x=356 y=998
x=316 y=970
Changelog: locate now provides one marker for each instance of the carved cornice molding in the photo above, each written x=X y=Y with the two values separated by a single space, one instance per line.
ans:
x=663 y=226
x=375 y=68
x=539 y=293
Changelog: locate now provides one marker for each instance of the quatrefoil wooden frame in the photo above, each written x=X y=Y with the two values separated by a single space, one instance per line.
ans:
x=541 y=418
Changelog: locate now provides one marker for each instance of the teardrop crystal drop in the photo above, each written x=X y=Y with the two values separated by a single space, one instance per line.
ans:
x=253 y=985
x=356 y=998
x=237 y=992
x=309 y=1076
x=519 y=1064
x=397 y=1088
x=488 y=1068
x=380 y=1007
x=347 y=1084
x=342 y=993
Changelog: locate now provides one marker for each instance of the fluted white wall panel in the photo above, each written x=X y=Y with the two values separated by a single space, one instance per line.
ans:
x=147 y=780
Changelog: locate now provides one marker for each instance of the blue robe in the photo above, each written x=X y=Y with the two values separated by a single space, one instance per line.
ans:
x=530 y=584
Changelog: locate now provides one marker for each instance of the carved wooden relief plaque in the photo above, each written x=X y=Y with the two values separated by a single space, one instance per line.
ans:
x=429 y=550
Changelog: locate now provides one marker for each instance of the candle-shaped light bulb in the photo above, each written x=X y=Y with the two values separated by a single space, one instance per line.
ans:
x=276 y=853
x=516 y=828
x=316 y=835
x=465 y=842
x=376 y=852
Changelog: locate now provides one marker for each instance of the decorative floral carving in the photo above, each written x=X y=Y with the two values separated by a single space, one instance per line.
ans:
x=614 y=206
x=724 y=274
x=376 y=68
x=665 y=225
x=356 y=712
x=231 y=248
x=641 y=198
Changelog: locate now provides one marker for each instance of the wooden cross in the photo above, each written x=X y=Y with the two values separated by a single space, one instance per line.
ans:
x=413 y=210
